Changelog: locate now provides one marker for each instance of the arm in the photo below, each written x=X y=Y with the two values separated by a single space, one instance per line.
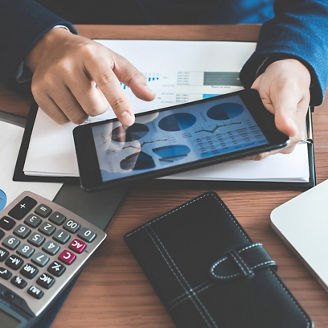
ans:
x=22 y=24
x=300 y=30
x=294 y=49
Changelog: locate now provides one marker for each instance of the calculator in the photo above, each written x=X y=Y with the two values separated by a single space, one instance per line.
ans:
x=42 y=246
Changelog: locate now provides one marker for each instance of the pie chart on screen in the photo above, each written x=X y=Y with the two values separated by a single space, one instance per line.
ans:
x=177 y=122
x=134 y=132
x=225 y=111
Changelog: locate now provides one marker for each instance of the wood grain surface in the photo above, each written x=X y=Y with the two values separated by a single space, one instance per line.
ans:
x=112 y=291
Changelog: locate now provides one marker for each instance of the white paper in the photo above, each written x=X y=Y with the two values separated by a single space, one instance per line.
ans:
x=175 y=71
x=10 y=141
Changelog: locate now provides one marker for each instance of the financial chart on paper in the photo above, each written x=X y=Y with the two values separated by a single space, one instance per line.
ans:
x=178 y=87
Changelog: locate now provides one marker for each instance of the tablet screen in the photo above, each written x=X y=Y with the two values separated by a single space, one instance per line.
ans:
x=182 y=135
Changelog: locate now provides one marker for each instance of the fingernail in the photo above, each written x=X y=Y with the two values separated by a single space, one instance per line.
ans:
x=126 y=118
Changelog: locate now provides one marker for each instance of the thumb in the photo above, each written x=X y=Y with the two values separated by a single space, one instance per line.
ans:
x=285 y=109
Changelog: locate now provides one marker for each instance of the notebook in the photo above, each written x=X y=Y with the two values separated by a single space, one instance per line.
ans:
x=184 y=78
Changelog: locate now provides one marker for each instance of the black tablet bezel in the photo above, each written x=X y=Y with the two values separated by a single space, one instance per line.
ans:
x=90 y=176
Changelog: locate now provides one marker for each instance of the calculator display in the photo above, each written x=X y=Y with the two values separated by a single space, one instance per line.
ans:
x=8 y=321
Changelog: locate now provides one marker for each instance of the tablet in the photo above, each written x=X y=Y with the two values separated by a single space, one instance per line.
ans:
x=174 y=139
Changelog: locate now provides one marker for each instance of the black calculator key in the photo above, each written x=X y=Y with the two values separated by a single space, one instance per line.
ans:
x=2 y=233
x=6 y=223
x=11 y=242
x=47 y=228
x=45 y=281
x=40 y=259
x=35 y=292
x=14 y=262
x=25 y=250
x=5 y=273
x=29 y=271
x=51 y=247
x=56 y=268
x=22 y=208
x=22 y=231
x=61 y=236
x=36 y=239
x=33 y=220
x=87 y=235
x=43 y=210
x=3 y=254
x=57 y=218
x=71 y=226
x=18 y=282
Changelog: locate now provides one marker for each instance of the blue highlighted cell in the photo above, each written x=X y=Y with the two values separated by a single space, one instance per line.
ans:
x=209 y=95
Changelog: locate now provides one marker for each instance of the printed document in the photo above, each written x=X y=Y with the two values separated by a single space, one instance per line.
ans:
x=178 y=72
x=11 y=137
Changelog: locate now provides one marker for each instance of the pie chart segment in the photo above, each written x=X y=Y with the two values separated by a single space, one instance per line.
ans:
x=177 y=122
x=133 y=132
x=225 y=111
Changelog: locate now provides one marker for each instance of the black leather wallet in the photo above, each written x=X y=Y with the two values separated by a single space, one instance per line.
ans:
x=209 y=273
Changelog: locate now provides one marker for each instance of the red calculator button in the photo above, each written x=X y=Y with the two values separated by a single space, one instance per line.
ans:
x=77 y=245
x=67 y=256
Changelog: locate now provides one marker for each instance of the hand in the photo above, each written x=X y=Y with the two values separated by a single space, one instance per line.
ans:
x=74 y=77
x=284 y=88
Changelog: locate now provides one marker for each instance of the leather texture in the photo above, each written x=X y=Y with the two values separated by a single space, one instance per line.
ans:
x=208 y=272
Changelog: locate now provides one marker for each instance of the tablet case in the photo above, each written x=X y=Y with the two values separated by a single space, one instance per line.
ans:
x=209 y=273
x=19 y=174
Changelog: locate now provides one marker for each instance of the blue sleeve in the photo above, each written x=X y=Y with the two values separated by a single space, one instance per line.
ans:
x=299 y=29
x=22 y=24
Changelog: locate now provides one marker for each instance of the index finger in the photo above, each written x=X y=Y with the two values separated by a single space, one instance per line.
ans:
x=101 y=72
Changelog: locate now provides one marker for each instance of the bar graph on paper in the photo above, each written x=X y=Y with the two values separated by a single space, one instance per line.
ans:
x=178 y=87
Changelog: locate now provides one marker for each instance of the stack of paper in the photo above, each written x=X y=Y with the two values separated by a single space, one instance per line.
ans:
x=11 y=137
x=178 y=71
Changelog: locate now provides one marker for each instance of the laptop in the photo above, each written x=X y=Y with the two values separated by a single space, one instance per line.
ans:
x=302 y=223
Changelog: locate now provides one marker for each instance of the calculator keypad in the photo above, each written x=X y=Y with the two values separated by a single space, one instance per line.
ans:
x=29 y=271
x=22 y=231
x=7 y=223
x=22 y=208
x=11 y=242
x=36 y=239
x=47 y=228
x=56 y=268
x=45 y=281
x=67 y=257
x=18 y=282
x=25 y=250
x=3 y=254
x=61 y=236
x=33 y=221
x=40 y=259
x=5 y=273
x=51 y=247
x=14 y=262
x=44 y=250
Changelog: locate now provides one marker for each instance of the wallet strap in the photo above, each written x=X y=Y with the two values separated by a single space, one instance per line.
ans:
x=242 y=263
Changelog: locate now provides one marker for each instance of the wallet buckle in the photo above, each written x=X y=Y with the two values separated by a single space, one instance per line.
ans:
x=242 y=263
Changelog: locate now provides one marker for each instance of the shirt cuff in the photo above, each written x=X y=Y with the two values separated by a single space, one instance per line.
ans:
x=23 y=74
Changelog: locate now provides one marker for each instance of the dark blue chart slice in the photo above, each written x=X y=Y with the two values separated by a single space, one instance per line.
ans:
x=177 y=122
x=225 y=111
x=133 y=132
x=137 y=161
x=173 y=153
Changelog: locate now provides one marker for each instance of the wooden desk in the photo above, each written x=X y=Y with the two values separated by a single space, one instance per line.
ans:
x=112 y=291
